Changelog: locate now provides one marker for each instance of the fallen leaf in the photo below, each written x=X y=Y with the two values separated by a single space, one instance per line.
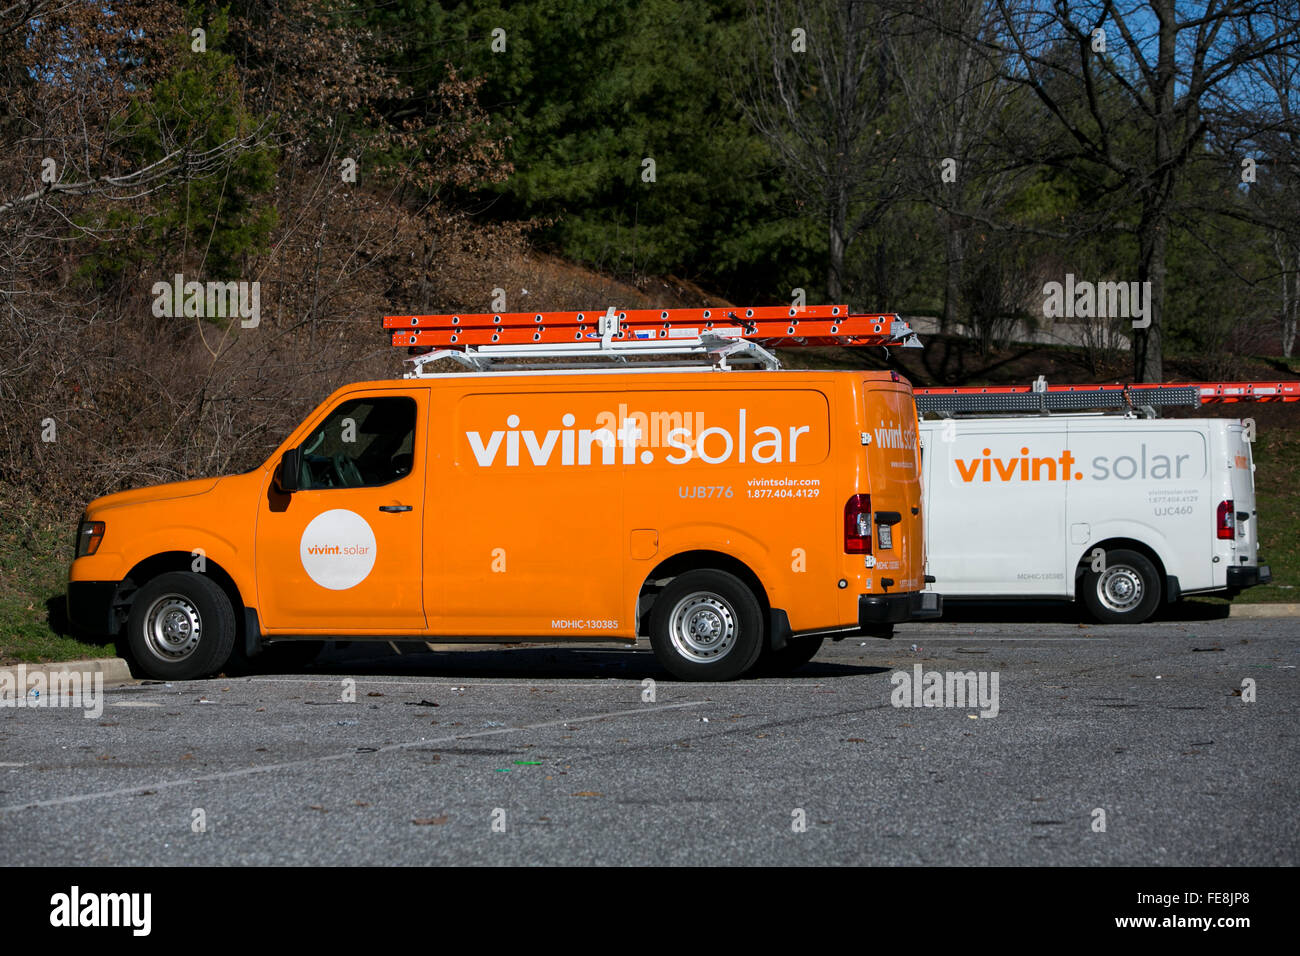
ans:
x=588 y=793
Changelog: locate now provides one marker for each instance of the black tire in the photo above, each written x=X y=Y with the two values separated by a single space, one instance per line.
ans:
x=797 y=652
x=181 y=626
x=1127 y=591
x=707 y=625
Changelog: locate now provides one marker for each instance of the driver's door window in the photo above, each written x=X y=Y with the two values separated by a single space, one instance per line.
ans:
x=364 y=443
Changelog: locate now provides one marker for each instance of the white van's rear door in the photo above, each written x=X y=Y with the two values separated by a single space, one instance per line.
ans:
x=1241 y=471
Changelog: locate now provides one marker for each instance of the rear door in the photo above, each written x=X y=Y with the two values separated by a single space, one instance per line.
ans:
x=894 y=482
x=1241 y=471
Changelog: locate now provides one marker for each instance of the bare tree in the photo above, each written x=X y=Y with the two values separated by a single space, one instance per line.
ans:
x=1167 y=63
x=821 y=89
x=1260 y=133
x=959 y=112
x=103 y=393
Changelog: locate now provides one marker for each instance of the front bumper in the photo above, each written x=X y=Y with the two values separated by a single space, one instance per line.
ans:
x=1244 y=576
x=877 y=609
x=90 y=606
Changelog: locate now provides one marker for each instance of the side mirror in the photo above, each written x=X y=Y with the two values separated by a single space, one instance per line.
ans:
x=286 y=476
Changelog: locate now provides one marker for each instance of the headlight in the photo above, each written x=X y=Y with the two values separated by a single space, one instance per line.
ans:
x=89 y=534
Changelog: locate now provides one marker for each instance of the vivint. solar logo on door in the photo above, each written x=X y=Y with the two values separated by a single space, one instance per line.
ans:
x=892 y=434
x=1141 y=463
x=626 y=445
x=337 y=549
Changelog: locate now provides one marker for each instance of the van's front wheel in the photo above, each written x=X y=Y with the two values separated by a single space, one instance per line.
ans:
x=706 y=626
x=1125 y=591
x=181 y=626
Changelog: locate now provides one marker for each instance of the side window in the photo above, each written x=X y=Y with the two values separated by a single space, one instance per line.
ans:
x=365 y=442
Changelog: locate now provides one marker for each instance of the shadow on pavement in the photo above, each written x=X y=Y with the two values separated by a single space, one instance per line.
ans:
x=525 y=662
x=1061 y=612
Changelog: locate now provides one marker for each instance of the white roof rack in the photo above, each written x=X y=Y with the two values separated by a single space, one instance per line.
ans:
x=705 y=351
x=1044 y=399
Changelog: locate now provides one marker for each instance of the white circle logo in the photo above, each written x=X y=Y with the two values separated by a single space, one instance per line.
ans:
x=338 y=549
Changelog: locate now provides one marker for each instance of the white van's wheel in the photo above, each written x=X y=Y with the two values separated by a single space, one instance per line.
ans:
x=1126 y=591
x=706 y=626
x=181 y=626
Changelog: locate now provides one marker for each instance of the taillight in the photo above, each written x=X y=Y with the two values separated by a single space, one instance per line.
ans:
x=857 y=525
x=1226 y=521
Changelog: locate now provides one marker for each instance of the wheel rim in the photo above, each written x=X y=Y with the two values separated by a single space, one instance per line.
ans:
x=1120 y=588
x=703 y=627
x=172 y=628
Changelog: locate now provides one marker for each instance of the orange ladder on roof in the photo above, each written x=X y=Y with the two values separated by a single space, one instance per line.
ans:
x=667 y=337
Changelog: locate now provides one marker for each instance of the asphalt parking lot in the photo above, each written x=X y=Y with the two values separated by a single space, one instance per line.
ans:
x=547 y=754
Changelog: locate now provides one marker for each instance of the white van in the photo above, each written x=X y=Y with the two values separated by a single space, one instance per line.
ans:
x=1120 y=512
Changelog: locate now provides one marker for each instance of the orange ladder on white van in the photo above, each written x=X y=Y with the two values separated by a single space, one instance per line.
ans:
x=1041 y=397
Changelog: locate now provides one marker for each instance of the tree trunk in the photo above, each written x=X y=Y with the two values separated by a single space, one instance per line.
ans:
x=1148 y=356
x=1290 y=307
x=1153 y=228
x=951 y=278
x=835 y=267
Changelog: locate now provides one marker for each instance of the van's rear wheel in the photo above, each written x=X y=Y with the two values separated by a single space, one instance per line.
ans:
x=706 y=626
x=797 y=652
x=1126 y=591
x=181 y=626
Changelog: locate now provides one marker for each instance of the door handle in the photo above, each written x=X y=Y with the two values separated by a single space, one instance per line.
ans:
x=394 y=508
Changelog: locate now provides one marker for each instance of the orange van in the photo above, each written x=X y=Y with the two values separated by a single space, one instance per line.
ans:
x=734 y=519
